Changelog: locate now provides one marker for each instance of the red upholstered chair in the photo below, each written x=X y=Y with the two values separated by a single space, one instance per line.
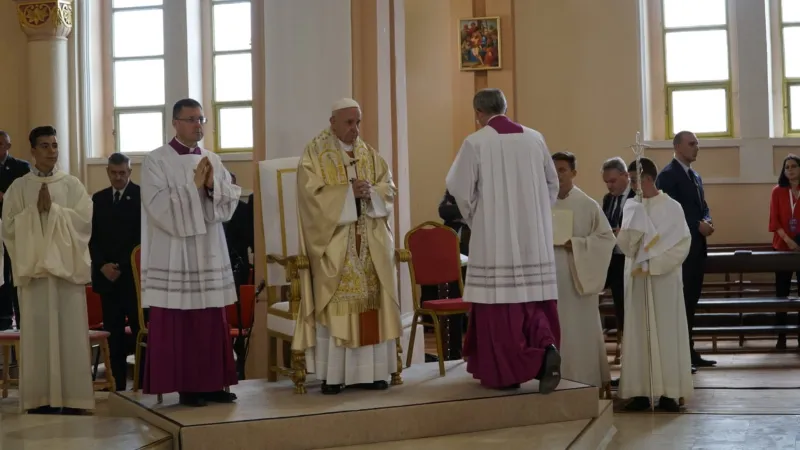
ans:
x=94 y=310
x=240 y=328
x=435 y=260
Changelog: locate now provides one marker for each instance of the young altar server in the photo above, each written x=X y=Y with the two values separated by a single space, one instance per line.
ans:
x=504 y=183
x=350 y=314
x=47 y=224
x=186 y=272
x=581 y=268
x=655 y=240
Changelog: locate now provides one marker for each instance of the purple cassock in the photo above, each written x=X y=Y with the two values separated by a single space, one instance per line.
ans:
x=189 y=350
x=506 y=343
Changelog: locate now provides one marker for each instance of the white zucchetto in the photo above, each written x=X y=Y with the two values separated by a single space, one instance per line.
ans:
x=344 y=104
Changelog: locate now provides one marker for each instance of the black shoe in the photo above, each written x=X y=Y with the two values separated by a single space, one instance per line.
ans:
x=694 y=370
x=550 y=374
x=510 y=387
x=781 y=344
x=219 y=397
x=45 y=410
x=669 y=405
x=74 y=412
x=431 y=358
x=191 y=399
x=700 y=362
x=331 y=389
x=638 y=404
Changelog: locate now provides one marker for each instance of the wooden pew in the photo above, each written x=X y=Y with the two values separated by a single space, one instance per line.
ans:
x=718 y=302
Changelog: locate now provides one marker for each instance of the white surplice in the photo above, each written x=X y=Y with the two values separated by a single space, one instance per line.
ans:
x=504 y=186
x=367 y=363
x=51 y=265
x=185 y=261
x=581 y=277
x=655 y=240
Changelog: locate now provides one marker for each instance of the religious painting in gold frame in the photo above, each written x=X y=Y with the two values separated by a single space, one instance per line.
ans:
x=479 y=44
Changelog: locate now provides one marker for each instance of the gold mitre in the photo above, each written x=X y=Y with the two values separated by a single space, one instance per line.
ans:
x=344 y=104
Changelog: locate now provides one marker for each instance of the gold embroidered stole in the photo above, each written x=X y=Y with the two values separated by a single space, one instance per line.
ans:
x=358 y=290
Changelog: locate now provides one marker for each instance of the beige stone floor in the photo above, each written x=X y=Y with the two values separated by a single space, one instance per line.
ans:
x=749 y=401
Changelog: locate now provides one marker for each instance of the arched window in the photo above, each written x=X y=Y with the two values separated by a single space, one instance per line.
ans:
x=137 y=81
x=697 y=68
x=790 y=40
x=232 y=75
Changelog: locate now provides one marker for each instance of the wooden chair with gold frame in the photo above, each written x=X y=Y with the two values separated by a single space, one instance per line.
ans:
x=435 y=260
x=277 y=181
x=141 y=337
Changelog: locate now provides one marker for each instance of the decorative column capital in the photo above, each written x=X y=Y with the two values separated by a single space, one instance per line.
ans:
x=45 y=19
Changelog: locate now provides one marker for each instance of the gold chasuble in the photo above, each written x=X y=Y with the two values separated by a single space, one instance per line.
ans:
x=352 y=287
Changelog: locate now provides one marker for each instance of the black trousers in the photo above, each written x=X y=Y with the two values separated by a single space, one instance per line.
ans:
x=783 y=287
x=119 y=304
x=616 y=281
x=9 y=301
x=693 y=273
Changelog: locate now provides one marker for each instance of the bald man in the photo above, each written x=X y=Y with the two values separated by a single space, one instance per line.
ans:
x=350 y=315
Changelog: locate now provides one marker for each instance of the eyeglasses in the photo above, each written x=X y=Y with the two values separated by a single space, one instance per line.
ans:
x=201 y=120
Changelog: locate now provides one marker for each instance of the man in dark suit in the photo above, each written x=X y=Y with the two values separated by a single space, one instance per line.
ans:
x=239 y=237
x=678 y=180
x=615 y=176
x=10 y=169
x=116 y=231
x=448 y=211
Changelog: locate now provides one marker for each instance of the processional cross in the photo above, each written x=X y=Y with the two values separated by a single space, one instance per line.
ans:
x=638 y=148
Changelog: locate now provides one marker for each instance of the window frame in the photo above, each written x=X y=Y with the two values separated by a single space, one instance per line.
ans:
x=216 y=106
x=121 y=110
x=786 y=82
x=669 y=88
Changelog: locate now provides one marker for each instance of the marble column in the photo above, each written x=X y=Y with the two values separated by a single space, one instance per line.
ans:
x=48 y=25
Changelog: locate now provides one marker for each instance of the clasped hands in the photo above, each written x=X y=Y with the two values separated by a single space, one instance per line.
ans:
x=361 y=188
x=705 y=228
x=204 y=174
x=44 y=202
x=111 y=271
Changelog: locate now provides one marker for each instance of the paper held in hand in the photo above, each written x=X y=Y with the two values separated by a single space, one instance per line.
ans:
x=562 y=226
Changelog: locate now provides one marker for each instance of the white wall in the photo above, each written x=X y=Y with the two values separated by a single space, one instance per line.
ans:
x=300 y=88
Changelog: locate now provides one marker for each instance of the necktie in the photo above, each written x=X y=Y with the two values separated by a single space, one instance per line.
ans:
x=116 y=197
x=693 y=177
x=615 y=207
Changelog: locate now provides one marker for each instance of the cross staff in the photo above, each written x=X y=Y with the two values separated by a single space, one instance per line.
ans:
x=638 y=148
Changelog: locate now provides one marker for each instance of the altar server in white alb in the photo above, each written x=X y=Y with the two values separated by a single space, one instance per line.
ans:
x=186 y=272
x=581 y=267
x=655 y=240
x=504 y=183
x=350 y=314
x=47 y=224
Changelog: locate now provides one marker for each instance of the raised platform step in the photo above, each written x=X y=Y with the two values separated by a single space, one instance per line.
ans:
x=271 y=416
x=586 y=434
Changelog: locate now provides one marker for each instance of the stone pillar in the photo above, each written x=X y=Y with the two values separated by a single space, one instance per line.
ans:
x=47 y=25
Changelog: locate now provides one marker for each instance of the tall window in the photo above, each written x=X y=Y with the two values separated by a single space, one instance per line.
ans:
x=697 y=65
x=232 y=75
x=790 y=27
x=137 y=68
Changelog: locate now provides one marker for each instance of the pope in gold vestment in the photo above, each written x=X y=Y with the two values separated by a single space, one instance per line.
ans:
x=349 y=316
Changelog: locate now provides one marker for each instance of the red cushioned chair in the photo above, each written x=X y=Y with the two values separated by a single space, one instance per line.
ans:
x=240 y=329
x=94 y=310
x=435 y=260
